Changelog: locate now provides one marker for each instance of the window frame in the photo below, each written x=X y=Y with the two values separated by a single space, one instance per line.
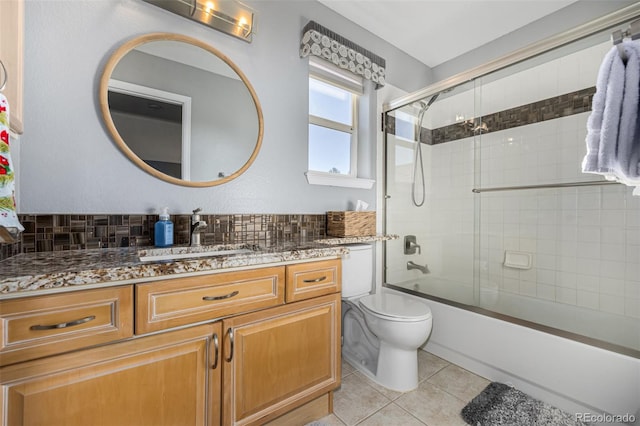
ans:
x=328 y=73
x=351 y=129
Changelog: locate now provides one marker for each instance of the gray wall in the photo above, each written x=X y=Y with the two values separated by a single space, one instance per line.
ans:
x=68 y=163
x=581 y=12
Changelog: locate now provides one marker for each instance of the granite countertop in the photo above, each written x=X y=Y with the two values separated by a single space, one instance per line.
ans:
x=34 y=273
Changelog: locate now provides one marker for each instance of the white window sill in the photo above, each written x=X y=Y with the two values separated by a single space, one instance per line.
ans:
x=330 y=179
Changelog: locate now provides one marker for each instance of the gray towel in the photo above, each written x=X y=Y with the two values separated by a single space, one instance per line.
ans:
x=613 y=128
x=602 y=125
x=629 y=134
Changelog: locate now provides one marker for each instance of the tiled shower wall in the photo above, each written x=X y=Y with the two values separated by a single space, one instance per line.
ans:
x=49 y=232
x=585 y=242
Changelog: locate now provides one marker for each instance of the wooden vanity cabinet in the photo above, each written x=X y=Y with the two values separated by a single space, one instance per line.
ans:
x=254 y=362
x=280 y=358
x=163 y=379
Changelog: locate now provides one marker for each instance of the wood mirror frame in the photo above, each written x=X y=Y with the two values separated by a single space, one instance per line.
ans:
x=121 y=143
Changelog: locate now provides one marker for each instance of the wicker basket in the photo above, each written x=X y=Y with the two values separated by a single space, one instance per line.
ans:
x=351 y=224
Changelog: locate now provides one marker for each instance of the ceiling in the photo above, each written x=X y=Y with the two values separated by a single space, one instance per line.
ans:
x=435 y=31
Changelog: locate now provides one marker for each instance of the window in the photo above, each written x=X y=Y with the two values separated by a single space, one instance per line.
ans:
x=334 y=96
x=332 y=128
x=405 y=126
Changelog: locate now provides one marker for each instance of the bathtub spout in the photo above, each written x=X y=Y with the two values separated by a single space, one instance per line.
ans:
x=424 y=269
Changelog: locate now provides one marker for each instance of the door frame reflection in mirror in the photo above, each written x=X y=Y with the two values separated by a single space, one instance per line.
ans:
x=149 y=93
x=122 y=145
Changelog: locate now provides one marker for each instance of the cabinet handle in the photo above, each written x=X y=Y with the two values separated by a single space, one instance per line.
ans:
x=216 y=349
x=5 y=76
x=226 y=296
x=230 y=333
x=317 y=280
x=63 y=324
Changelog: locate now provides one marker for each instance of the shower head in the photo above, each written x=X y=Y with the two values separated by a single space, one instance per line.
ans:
x=424 y=106
x=419 y=105
x=433 y=99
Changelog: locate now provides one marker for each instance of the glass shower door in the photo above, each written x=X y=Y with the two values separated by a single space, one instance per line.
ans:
x=435 y=252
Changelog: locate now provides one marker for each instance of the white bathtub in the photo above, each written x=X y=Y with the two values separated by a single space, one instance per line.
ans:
x=587 y=324
x=571 y=375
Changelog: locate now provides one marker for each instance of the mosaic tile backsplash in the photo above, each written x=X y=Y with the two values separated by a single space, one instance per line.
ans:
x=56 y=232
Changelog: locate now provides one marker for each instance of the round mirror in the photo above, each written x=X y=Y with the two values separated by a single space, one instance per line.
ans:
x=181 y=110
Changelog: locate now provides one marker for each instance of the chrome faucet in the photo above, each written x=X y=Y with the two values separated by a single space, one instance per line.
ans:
x=424 y=269
x=197 y=226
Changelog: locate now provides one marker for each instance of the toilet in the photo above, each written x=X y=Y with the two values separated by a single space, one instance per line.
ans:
x=381 y=332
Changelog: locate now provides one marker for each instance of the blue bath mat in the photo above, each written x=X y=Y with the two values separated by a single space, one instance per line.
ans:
x=501 y=405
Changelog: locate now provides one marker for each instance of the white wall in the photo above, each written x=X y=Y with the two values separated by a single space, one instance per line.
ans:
x=68 y=163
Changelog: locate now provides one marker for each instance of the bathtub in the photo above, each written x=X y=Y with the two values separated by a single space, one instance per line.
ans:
x=569 y=374
x=597 y=328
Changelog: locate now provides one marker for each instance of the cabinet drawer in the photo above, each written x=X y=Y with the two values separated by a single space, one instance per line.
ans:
x=312 y=279
x=172 y=303
x=39 y=326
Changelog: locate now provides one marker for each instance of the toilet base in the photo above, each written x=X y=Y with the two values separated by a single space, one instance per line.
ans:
x=397 y=368
x=392 y=365
x=397 y=379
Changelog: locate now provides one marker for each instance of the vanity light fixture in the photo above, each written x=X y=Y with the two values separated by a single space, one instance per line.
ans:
x=229 y=16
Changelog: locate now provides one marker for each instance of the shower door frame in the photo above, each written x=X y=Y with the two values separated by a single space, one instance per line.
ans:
x=598 y=25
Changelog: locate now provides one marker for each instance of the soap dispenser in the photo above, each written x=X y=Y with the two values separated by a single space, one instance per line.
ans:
x=164 y=230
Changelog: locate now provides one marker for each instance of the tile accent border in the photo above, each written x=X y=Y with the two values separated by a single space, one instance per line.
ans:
x=59 y=232
x=547 y=109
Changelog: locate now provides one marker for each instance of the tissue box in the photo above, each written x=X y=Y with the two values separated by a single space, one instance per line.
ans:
x=351 y=224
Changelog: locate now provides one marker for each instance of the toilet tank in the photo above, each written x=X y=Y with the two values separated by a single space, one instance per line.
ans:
x=357 y=270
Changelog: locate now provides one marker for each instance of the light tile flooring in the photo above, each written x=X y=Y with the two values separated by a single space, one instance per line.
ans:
x=443 y=391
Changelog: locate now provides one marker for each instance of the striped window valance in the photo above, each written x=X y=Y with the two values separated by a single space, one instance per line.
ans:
x=324 y=43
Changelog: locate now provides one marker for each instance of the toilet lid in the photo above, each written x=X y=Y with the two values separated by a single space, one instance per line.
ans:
x=396 y=307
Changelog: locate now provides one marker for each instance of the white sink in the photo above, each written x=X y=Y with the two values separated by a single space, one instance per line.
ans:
x=171 y=253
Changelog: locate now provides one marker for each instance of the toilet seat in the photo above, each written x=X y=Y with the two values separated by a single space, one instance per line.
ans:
x=393 y=307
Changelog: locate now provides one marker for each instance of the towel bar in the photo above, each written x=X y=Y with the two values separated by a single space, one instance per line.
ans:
x=632 y=32
x=550 y=185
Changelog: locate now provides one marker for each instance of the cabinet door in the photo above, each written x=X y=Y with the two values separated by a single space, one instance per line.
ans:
x=165 y=379
x=280 y=358
x=11 y=52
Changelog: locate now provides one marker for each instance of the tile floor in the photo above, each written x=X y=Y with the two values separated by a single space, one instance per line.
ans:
x=443 y=391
